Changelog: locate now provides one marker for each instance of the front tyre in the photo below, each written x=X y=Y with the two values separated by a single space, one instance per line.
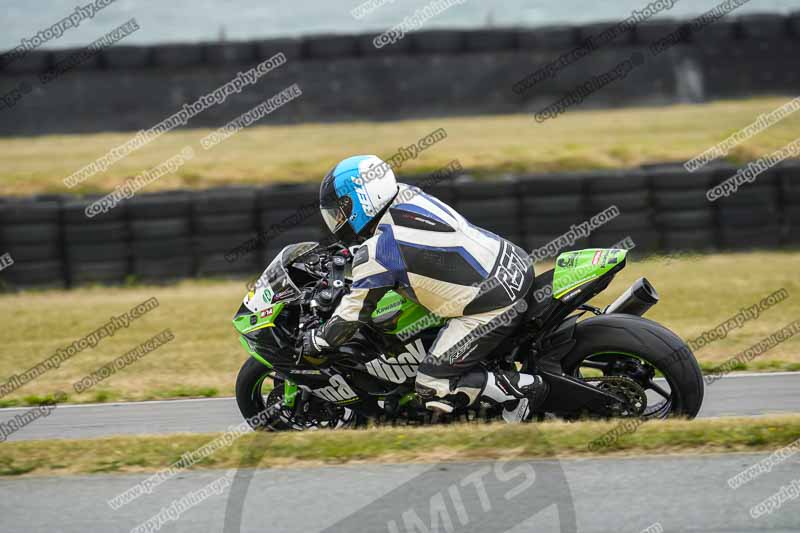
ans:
x=268 y=412
x=250 y=395
x=617 y=345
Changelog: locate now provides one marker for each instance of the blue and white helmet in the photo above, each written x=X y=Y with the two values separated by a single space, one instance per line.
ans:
x=354 y=194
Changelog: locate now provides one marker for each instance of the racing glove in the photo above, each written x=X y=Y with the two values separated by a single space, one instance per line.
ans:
x=312 y=344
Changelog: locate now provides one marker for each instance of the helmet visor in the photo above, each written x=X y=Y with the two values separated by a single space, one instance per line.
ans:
x=335 y=209
x=335 y=217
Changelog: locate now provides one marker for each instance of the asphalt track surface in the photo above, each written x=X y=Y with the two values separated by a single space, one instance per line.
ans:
x=735 y=395
x=589 y=496
x=663 y=493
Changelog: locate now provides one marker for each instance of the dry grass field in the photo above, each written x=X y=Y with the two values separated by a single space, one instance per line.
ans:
x=473 y=442
x=485 y=144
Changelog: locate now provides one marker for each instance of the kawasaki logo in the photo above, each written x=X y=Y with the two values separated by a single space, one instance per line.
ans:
x=400 y=369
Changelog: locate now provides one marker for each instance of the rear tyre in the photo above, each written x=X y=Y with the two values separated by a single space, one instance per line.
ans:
x=632 y=346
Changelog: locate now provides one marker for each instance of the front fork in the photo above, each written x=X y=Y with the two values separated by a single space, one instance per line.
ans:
x=289 y=393
x=297 y=401
x=295 y=398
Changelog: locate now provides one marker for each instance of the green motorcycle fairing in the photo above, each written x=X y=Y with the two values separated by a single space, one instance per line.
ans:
x=412 y=318
x=575 y=269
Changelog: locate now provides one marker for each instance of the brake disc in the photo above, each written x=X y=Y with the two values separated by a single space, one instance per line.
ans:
x=313 y=417
x=632 y=397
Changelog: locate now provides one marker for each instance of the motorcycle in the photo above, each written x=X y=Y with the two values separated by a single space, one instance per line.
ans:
x=611 y=364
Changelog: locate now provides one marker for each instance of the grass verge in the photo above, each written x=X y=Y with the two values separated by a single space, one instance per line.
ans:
x=484 y=144
x=392 y=445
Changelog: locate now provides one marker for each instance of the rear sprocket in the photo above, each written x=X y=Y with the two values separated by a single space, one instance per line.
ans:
x=632 y=397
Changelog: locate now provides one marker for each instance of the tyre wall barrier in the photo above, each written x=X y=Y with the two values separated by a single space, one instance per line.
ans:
x=237 y=231
x=345 y=77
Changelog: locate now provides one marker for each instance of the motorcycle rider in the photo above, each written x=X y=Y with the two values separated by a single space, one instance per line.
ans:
x=415 y=244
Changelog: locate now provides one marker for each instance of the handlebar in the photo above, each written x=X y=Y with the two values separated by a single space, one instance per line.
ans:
x=323 y=297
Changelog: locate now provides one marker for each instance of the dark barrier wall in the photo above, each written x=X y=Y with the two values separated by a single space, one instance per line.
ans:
x=162 y=236
x=428 y=73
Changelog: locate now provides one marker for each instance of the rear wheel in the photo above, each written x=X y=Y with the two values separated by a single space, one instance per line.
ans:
x=639 y=360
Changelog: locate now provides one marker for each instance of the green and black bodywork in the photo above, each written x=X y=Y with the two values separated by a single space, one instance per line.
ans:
x=601 y=366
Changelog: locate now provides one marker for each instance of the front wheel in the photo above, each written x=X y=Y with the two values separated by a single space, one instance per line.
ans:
x=640 y=360
x=250 y=395
x=264 y=409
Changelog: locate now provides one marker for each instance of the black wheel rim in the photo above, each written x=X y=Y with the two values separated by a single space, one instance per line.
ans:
x=273 y=399
x=659 y=390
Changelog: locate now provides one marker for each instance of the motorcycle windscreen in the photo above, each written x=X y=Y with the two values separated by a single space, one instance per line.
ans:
x=275 y=285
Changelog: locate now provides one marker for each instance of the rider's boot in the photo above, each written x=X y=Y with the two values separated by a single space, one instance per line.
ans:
x=519 y=394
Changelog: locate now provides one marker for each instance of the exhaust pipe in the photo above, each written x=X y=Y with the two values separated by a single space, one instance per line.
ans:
x=639 y=297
